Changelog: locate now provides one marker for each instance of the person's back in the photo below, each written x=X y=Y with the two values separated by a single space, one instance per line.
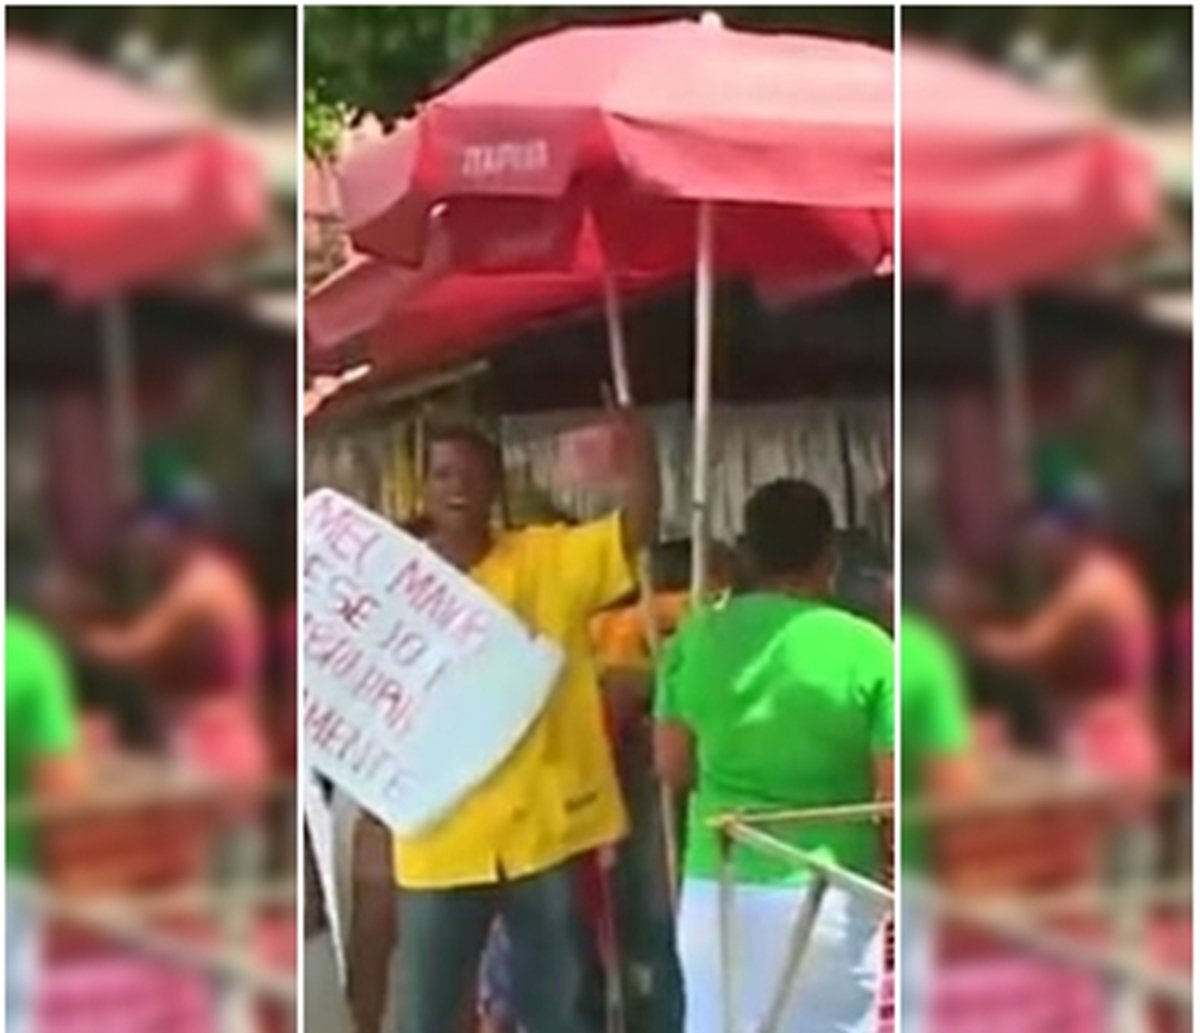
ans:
x=788 y=706
x=41 y=762
x=40 y=724
x=776 y=700
x=935 y=766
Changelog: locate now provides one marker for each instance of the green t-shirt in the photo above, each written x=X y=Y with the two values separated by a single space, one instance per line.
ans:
x=934 y=719
x=39 y=712
x=789 y=702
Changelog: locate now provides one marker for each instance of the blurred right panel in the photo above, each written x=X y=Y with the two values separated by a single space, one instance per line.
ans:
x=1046 y=628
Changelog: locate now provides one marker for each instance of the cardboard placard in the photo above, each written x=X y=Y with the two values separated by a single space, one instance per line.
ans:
x=417 y=684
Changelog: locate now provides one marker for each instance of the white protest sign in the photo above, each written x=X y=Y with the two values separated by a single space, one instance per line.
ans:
x=417 y=684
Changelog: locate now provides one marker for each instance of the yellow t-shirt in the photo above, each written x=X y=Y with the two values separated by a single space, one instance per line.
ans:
x=556 y=795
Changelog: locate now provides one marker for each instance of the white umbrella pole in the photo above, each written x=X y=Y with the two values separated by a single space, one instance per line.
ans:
x=616 y=340
x=702 y=415
x=117 y=344
x=1013 y=398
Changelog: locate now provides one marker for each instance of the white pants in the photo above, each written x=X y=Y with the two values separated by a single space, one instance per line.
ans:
x=916 y=964
x=22 y=964
x=837 y=988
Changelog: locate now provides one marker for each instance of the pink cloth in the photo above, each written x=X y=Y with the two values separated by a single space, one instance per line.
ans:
x=1009 y=991
x=223 y=737
x=114 y=990
x=217 y=725
x=1181 y=704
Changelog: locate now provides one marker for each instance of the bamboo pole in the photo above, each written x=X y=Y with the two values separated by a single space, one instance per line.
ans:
x=998 y=799
x=118 y=925
x=798 y=944
x=1013 y=397
x=623 y=386
x=120 y=382
x=167 y=787
x=725 y=931
x=1004 y=922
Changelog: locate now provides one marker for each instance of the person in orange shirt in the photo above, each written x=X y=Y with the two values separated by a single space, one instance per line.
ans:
x=641 y=929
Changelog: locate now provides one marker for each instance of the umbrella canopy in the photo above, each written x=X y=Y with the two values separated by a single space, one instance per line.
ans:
x=1005 y=186
x=417 y=320
x=789 y=136
x=108 y=186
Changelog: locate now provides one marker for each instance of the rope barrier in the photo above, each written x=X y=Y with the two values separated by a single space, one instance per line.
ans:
x=1013 y=919
x=169 y=785
x=841 y=878
x=999 y=798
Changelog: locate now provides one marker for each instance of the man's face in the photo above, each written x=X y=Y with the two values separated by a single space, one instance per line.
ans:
x=460 y=487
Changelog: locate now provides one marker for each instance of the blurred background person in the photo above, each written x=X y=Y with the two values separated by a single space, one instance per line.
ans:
x=198 y=643
x=151 y=484
x=1091 y=642
x=642 y=901
x=1046 y=473
x=776 y=699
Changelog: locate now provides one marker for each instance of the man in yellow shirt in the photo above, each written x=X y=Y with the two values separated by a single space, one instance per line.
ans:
x=510 y=848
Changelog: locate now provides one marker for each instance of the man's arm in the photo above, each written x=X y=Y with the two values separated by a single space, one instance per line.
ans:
x=145 y=638
x=372 y=925
x=642 y=490
x=57 y=770
x=675 y=755
x=674 y=740
x=1038 y=638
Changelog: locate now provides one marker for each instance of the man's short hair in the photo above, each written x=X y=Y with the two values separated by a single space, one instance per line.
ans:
x=789 y=527
x=468 y=437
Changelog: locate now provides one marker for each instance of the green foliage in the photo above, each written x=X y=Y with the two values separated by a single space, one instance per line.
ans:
x=1144 y=54
x=322 y=124
x=248 y=54
x=383 y=60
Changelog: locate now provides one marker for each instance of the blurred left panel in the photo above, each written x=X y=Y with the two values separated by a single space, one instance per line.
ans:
x=150 y=353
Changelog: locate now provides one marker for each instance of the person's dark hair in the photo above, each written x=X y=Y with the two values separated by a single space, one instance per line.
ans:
x=789 y=528
x=468 y=437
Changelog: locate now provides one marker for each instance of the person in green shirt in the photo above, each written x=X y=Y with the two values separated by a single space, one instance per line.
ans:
x=935 y=765
x=778 y=699
x=41 y=741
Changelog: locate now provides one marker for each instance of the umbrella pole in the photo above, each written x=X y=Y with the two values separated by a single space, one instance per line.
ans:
x=1013 y=398
x=117 y=345
x=702 y=414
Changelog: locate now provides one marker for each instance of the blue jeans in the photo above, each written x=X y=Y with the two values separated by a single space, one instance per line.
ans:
x=442 y=934
x=22 y=943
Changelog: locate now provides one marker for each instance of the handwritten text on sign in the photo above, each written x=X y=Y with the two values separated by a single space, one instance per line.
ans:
x=417 y=684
